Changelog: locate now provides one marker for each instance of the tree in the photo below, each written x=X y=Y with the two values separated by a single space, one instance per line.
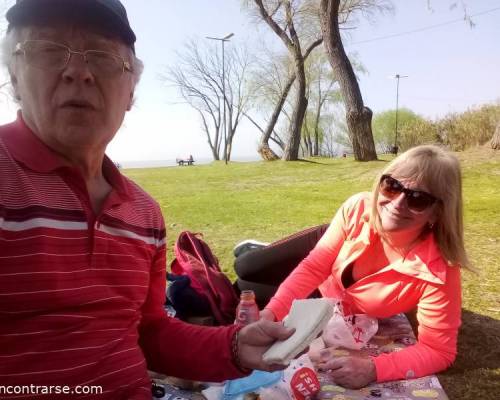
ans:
x=335 y=136
x=198 y=77
x=264 y=149
x=383 y=127
x=495 y=140
x=271 y=82
x=281 y=16
x=323 y=95
x=357 y=115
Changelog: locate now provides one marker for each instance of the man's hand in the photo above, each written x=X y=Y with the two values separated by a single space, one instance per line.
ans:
x=255 y=339
x=350 y=372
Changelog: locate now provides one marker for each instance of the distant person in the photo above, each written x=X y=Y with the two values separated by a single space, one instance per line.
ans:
x=190 y=158
x=82 y=248
x=393 y=250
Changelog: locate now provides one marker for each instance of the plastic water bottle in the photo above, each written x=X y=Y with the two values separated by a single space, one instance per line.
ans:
x=247 y=310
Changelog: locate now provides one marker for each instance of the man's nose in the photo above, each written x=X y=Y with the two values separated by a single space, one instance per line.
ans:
x=77 y=69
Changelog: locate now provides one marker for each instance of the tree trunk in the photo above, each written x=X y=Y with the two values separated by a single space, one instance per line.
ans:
x=316 y=143
x=305 y=150
x=316 y=129
x=291 y=152
x=213 y=146
x=267 y=153
x=495 y=140
x=264 y=149
x=358 y=116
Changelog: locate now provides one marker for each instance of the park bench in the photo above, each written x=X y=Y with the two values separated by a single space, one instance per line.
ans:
x=181 y=162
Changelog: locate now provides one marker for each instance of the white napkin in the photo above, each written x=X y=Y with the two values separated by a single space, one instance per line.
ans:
x=308 y=317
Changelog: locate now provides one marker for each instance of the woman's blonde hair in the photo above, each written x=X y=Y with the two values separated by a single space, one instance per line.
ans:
x=439 y=171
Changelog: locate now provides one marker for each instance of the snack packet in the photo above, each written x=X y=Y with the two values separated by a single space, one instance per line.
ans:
x=299 y=382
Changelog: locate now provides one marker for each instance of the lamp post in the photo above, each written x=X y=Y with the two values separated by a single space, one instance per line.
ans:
x=397 y=77
x=223 y=40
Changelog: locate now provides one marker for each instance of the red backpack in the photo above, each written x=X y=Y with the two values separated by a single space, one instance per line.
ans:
x=195 y=259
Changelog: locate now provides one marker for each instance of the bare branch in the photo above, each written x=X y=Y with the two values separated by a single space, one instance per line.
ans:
x=198 y=77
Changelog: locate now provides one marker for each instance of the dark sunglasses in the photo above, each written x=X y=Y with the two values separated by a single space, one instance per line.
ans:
x=417 y=200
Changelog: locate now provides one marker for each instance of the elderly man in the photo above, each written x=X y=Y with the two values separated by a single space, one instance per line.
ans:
x=82 y=248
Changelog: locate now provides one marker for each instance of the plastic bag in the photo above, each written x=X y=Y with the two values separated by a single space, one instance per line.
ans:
x=299 y=382
x=236 y=389
x=251 y=383
x=352 y=331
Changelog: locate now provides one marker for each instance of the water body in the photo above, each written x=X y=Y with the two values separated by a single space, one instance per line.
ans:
x=173 y=163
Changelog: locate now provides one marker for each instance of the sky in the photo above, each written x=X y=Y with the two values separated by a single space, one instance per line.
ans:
x=450 y=67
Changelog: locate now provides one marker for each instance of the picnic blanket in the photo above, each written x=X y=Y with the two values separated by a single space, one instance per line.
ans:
x=393 y=334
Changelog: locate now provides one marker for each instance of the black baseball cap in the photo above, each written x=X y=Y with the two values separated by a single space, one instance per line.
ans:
x=110 y=15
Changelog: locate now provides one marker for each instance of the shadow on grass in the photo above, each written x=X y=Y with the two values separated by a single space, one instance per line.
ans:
x=476 y=371
x=312 y=161
x=335 y=158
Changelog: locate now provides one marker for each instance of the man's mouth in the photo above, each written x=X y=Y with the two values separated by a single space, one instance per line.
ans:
x=77 y=104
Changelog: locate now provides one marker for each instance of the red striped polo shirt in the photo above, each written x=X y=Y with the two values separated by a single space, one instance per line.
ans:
x=77 y=288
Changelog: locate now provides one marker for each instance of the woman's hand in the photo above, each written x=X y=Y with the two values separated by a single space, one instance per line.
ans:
x=350 y=372
x=266 y=313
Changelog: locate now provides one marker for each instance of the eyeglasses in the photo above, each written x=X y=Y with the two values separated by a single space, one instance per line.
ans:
x=416 y=200
x=48 y=55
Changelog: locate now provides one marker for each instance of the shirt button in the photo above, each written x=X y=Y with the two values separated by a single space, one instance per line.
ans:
x=410 y=374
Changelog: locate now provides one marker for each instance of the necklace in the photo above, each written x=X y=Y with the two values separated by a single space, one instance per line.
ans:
x=392 y=250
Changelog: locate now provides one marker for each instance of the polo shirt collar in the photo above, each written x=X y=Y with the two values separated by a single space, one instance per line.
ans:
x=26 y=148
x=29 y=150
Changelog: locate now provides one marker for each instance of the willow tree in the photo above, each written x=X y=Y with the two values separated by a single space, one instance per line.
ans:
x=286 y=18
x=271 y=80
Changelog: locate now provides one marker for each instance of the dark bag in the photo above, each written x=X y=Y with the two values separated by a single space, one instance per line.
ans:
x=187 y=303
x=195 y=259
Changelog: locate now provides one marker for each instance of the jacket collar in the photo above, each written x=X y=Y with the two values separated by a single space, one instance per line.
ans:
x=27 y=148
x=424 y=261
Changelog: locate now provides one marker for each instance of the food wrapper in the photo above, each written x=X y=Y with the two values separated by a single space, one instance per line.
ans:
x=299 y=382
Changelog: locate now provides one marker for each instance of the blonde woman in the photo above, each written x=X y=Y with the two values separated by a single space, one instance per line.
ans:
x=393 y=250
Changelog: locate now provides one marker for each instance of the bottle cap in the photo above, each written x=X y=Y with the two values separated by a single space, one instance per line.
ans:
x=247 y=295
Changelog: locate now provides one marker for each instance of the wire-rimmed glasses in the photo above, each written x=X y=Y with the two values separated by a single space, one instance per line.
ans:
x=48 y=55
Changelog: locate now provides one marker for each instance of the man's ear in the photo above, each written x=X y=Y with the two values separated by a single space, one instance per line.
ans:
x=130 y=101
x=15 y=88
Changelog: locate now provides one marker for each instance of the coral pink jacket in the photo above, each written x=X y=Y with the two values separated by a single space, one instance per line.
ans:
x=422 y=280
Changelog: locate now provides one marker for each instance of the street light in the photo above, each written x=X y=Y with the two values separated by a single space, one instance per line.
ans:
x=223 y=40
x=397 y=77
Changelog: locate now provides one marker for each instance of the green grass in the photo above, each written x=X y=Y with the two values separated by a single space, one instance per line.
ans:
x=266 y=201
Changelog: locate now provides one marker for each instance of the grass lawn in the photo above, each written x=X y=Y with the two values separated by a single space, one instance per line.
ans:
x=267 y=201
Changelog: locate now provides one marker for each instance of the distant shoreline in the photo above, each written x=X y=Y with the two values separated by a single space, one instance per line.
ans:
x=173 y=163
